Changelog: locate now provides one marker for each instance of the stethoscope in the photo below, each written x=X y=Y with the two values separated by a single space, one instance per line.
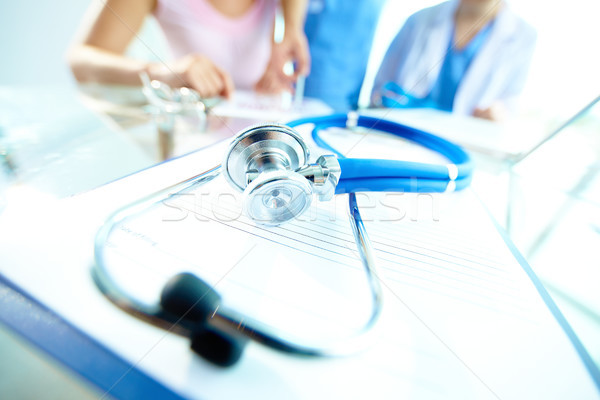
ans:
x=269 y=163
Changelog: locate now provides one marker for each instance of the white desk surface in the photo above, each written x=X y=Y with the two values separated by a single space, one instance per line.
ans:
x=501 y=141
x=46 y=249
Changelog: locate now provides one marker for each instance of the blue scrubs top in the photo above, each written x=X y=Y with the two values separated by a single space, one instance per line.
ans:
x=441 y=96
x=340 y=34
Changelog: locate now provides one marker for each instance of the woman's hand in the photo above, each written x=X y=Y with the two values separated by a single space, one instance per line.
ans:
x=293 y=48
x=497 y=112
x=196 y=72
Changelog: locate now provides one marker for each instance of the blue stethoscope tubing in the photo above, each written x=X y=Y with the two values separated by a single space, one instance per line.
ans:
x=376 y=175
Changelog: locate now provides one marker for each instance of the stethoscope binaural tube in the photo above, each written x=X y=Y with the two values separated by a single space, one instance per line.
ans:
x=377 y=175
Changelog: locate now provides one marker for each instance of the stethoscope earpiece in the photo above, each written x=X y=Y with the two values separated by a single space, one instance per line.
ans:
x=192 y=302
x=217 y=347
x=188 y=297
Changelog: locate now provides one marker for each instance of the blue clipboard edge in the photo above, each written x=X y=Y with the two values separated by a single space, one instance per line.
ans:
x=560 y=318
x=71 y=347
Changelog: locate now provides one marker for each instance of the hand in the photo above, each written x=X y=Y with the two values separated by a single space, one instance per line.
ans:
x=496 y=112
x=196 y=72
x=294 y=48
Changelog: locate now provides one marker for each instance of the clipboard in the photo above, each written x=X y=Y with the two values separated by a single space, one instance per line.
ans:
x=432 y=361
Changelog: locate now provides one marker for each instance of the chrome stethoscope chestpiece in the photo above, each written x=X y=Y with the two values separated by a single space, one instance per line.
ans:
x=269 y=163
x=277 y=196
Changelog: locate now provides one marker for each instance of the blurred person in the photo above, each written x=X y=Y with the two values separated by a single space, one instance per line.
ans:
x=469 y=57
x=339 y=34
x=218 y=45
x=292 y=48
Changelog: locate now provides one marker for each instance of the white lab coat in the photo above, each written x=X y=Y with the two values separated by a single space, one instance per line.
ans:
x=497 y=73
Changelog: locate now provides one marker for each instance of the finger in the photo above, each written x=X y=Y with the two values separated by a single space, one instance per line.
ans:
x=213 y=77
x=302 y=64
x=485 y=114
x=227 y=87
x=277 y=85
x=266 y=79
x=196 y=78
x=264 y=85
x=286 y=80
x=205 y=87
x=302 y=58
x=261 y=84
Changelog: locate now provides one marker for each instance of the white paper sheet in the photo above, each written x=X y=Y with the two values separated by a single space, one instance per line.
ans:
x=256 y=106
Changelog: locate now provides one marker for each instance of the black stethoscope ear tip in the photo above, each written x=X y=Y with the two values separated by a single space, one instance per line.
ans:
x=189 y=298
x=194 y=302
x=219 y=348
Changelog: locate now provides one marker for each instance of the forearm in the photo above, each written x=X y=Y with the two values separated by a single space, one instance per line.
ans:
x=294 y=13
x=97 y=53
x=92 y=64
x=294 y=40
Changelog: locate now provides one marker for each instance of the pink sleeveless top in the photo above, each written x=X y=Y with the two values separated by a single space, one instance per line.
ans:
x=241 y=46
